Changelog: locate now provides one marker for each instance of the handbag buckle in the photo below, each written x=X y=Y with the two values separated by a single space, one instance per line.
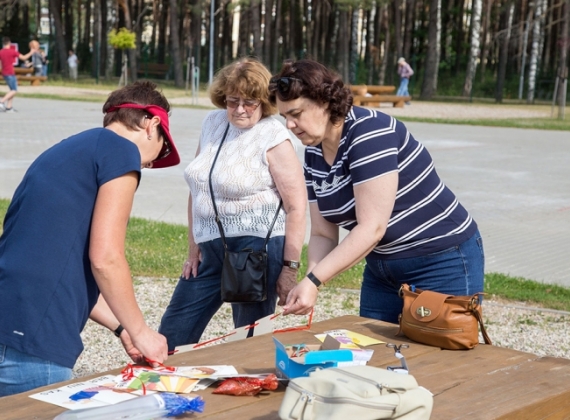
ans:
x=422 y=311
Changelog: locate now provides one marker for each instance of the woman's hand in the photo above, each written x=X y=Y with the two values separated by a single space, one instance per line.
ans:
x=152 y=345
x=190 y=267
x=130 y=348
x=285 y=283
x=301 y=299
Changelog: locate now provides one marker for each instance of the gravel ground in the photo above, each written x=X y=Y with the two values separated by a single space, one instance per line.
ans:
x=512 y=325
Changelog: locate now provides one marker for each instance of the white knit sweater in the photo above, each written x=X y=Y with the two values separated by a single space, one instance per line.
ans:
x=244 y=190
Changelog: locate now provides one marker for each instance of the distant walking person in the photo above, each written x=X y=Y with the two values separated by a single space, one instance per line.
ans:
x=405 y=72
x=72 y=62
x=7 y=58
x=37 y=58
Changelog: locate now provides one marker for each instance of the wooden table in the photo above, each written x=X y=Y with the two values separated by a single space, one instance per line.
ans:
x=484 y=383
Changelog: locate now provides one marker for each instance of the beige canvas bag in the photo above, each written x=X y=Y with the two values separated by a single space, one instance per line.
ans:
x=355 y=392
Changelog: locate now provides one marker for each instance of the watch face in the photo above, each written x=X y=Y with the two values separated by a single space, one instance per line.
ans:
x=292 y=264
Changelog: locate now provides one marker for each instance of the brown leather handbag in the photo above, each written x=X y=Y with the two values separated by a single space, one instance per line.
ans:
x=446 y=321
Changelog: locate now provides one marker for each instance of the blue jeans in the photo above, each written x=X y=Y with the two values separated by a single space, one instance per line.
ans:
x=196 y=300
x=403 y=89
x=456 y=271
x=20 y=372
x=12 y=82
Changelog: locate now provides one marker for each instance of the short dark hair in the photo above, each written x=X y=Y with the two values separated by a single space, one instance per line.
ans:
x=315 y=82
x=5 y=40
x=142 y=93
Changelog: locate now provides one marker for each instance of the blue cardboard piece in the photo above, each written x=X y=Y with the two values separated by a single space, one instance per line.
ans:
x=318 y=358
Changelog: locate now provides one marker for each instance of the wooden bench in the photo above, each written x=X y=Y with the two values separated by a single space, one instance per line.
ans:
x=376 y=100
x=373 y=89
x=153 y=69
x=26 y=74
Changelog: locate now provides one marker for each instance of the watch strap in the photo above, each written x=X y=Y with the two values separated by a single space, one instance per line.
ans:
x=118 y=331
x=315 y=280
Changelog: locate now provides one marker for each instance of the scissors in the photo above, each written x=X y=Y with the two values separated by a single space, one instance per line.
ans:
x=397 y=348
x=404 y=367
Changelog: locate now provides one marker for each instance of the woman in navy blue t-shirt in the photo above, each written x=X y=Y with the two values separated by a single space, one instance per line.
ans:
x=366 y=173
x=62 y=257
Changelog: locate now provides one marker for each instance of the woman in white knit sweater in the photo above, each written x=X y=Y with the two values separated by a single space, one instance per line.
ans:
x=256 y=168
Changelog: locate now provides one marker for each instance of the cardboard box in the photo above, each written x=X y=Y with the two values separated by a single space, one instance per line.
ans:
x=292 y=363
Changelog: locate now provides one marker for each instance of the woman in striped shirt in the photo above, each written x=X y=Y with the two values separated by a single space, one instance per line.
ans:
x=365 y=172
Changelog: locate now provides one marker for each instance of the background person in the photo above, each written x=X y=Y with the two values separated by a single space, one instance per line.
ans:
x=72 y=63
x=62 y=256
x=257 y=166
x=7 y=58
x=37 y=59
x=365 y=172
x=405 y=72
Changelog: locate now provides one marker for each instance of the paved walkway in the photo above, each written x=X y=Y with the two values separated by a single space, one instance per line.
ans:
x=516 y=183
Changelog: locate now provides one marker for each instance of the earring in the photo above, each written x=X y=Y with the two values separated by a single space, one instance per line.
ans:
x=149 y=137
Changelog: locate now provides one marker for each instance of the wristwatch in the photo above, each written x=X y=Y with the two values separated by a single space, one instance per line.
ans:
x=292 y=264
x=118 y=331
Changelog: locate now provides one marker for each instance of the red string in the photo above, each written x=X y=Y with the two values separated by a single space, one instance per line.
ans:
x=128 y=371
x=300 y=328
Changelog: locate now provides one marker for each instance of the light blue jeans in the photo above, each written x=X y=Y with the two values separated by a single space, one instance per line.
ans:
x=456 y=271
x=403 y=89
x=20 y=372
x=196 y=300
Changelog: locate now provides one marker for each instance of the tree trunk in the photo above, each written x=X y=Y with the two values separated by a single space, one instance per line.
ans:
x=354 y=56
x=459 y=35
x=68 y=23
x=106 y=49
x=255 y=11
x=385 y=25
x=55 y=8
x=563 y=72
x=408 y=32
x=397 y=4
x=505 y=36
x=276 y=51
x=484 y=50
x=343 y=46
x=429 y=86
x=474 y=51
x=162 y=31
x=95 y=63
x=268 y=31
x=534 y=51
x=175 y=43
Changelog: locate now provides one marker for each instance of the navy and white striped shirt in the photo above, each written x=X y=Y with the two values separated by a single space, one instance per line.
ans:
x=426 y=217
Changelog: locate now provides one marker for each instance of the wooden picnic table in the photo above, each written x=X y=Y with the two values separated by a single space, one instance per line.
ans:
x=487 y=382
x=26 y=74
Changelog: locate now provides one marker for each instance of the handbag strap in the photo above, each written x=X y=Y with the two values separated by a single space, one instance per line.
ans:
x=218 y=221
x=479 y=318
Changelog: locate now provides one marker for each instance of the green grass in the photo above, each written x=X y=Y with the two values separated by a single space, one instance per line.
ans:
x=534 y=123
x=158 y=249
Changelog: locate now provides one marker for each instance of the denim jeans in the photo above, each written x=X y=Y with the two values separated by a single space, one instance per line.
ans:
x=20 y=372
x=456 y=271
x=403 y=89
x=196 y=300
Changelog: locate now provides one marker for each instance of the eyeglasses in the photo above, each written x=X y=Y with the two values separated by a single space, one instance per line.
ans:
x=248 y=105
x=282 y=84
x=166 y=149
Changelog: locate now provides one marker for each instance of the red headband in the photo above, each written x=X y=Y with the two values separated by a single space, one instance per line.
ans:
x=173 y=158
